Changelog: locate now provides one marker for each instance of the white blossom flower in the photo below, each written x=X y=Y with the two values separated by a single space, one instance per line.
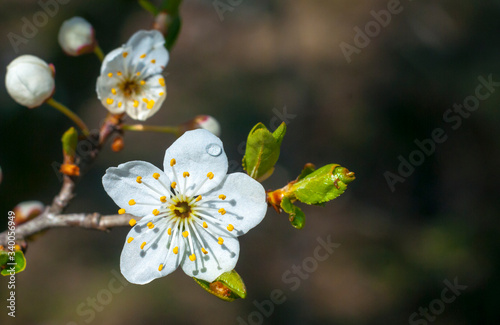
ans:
x=30 y=80
x=76 y=36
x=131 y=79
x=192 y=211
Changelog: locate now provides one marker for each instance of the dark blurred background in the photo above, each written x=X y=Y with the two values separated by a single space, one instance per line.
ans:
x=398 y=249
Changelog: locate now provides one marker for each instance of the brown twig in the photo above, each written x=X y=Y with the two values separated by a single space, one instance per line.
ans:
x=47 y=220
x=52 y=216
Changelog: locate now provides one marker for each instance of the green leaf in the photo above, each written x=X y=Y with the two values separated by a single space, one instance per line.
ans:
x=297 y=218
x=173 y=32
x=70 y=141
x=262 y=151
x=228 y=286
x=148 y=6
x=19 y=260
x=308 y=168
x=322 y=185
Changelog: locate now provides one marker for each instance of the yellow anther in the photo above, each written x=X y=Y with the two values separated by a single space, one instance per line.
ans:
x=156 y=212
x=230 y=227
x=198 y=198
x=119 y=104
x=161 y=94
x=121 y=211
x=125 y=54
x=205 y=224
x=172 y=162
x=156 y=175
x=192 y=257
x=136 y=103
x=185 y=234
x=150 y=104
x=113 y=91
x=163 y=199
x=210 y=175
x=153 y=61
x=204 y=250
x=143 y=244
x=129 y=240
x=145 y=100
x=132 y=222
x=172 y=207
x=109 y=101
x=150 y=225
x=220 y=241
x=131 y=202
x=139 y=179
x=138 y=73
x=143 y=56
x=176 y=250
x=222 y=211
x=119 y=73
x=110 y=74
x=174 y=184
x=185 y=174
x=160 y=267
x=161 y=81
x=169 y=231
x=143 y=82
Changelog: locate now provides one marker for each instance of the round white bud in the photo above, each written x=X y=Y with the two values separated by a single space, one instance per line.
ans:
x=208 y=123
x=76 y=36
x=30 y=80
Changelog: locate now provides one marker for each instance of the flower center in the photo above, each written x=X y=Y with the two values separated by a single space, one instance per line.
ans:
x=182 y=210
x=129 y=88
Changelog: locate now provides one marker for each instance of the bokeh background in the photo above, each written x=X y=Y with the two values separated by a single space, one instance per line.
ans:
x=396 y=247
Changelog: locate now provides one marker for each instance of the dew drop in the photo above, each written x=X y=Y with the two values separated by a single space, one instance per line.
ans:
x=214 y=149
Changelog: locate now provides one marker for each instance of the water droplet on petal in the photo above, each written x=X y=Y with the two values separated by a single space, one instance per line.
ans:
x=214 y=149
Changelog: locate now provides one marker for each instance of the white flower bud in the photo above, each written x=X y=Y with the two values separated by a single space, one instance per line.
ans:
x=30 y=80
x=208 y=123
x=76 y=36
x=27 y=210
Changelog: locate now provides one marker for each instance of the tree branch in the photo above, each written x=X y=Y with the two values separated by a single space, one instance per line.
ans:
x=47 y=220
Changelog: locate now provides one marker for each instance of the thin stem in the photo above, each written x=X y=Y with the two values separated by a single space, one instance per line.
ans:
x=151 y=128
x=70 y=114
x=99 y=53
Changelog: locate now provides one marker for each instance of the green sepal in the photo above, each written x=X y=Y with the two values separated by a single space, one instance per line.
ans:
x=69 y=141
x=262 y=151
x=296 y=217
x=228 y=286
x=322 y=185
x=19 y=259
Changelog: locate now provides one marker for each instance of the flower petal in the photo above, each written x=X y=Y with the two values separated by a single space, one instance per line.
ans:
x=244 y=204
x=121 y=185
x=141 y=265
x=147 y=52
x=153 y=93
x=199 y=153
x=219 y=258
